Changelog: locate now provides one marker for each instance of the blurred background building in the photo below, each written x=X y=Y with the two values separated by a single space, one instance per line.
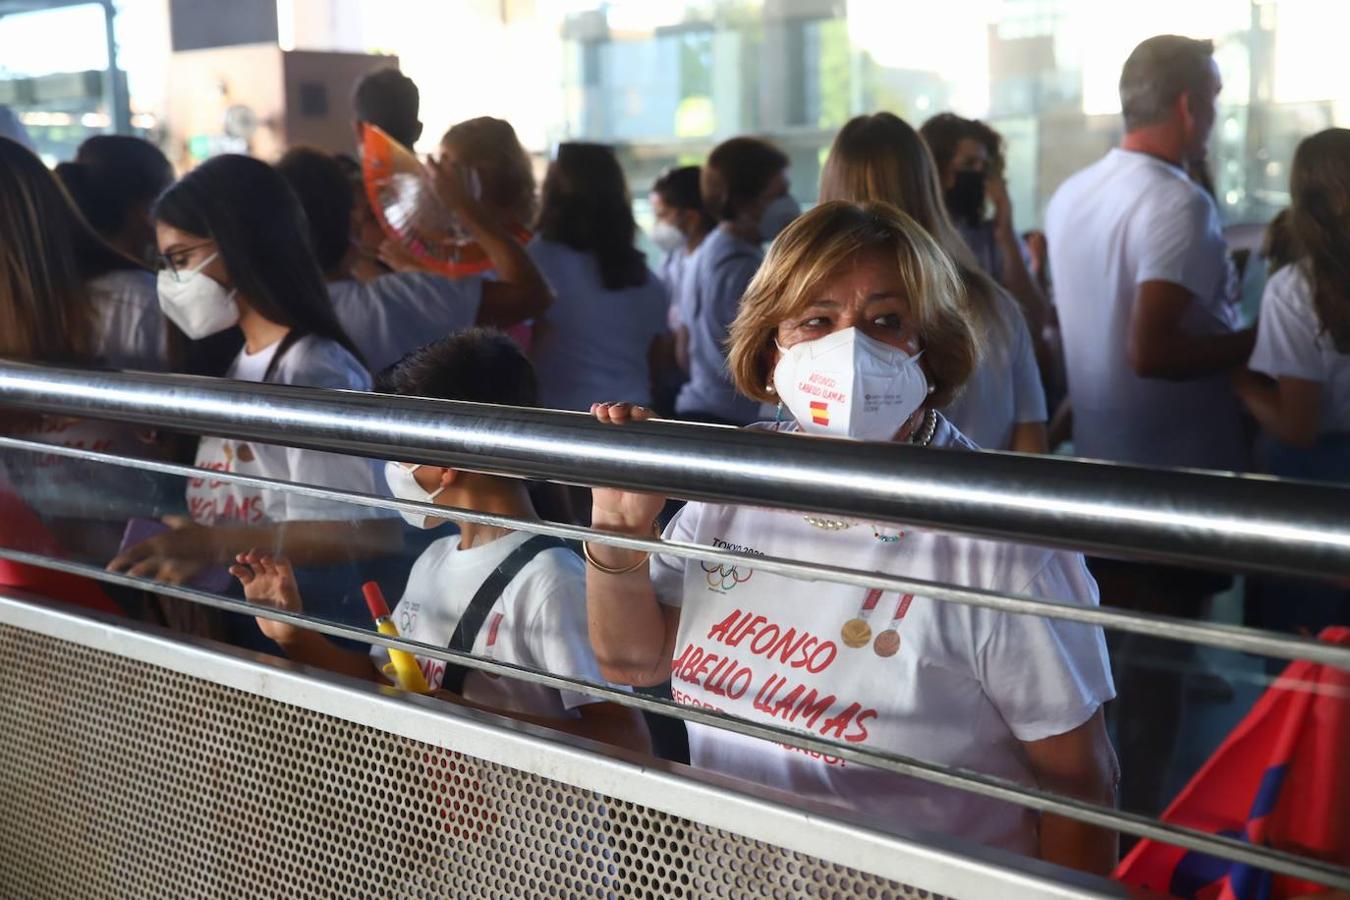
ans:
x=664 y=81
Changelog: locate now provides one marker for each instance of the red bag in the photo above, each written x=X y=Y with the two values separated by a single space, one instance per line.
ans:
x=21 y=529
x=1281 y=780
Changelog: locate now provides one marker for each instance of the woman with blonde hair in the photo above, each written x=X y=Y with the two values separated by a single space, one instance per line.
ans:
x=490 y=148
x=882 y=159
x=857 y=298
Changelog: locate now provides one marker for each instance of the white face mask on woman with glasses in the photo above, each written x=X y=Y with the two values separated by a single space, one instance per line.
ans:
x=198 y=304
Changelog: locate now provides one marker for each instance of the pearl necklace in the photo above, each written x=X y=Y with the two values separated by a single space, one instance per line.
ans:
x=922 y=438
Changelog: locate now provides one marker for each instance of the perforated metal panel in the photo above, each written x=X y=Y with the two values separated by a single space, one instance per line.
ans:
x=122 y=779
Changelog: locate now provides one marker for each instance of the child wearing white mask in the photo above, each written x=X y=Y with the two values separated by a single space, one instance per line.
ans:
x=234 y=251
x=526 y=593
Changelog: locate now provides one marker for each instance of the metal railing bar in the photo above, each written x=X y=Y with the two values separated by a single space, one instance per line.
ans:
x=1223 y=636
x=993 y=787
x=1192 y=518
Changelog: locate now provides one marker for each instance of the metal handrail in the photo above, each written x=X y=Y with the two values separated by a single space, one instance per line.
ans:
x=1224 y=521
x=1210 y=634
x=1300 y=528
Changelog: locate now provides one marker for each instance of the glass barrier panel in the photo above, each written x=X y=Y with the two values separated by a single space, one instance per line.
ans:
x=1020 y=698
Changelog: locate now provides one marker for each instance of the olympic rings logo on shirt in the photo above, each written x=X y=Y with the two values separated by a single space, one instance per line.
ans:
x=723 y=578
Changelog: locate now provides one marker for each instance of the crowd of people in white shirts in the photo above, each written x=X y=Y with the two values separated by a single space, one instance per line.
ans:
x=898 y=288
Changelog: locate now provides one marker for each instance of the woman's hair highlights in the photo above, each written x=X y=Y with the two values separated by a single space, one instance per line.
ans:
x=881 y=159
x=490 y=147
x=259 y=228
x=811 y=250
x=1319 y=227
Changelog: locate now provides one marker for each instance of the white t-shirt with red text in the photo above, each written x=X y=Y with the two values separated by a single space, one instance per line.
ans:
x=942 y=682
x=538 y=622
x=311 y=361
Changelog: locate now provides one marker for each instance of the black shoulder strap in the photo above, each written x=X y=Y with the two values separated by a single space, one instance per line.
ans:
x=286 y=343
x=475 y=614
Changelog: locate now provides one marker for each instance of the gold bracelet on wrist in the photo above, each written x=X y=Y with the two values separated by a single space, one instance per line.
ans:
x=607 y=570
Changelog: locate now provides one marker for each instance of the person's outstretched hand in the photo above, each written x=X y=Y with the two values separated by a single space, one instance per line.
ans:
x=270 y=581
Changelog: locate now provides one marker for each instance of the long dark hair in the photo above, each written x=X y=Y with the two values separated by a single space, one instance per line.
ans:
x=586 y=206
x=113 y=176
x=256 y=221
x=1319 y=225
x=48 y=254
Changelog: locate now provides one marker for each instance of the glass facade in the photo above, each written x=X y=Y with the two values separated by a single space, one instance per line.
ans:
x=665 y=81
x=1043 y=72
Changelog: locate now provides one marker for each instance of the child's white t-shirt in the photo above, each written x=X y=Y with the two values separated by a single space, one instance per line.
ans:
x=538 y=622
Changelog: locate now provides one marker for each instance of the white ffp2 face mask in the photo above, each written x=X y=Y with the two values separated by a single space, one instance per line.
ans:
x=198 y=304
x=667 y=237
x=850 y=385
x=405 y=487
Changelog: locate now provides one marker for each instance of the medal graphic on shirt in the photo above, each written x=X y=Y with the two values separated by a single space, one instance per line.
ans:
x=888 y=642
x=856 y=632
x=493 y=627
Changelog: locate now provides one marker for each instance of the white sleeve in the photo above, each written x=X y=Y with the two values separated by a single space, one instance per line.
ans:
x=1286 y=340
x=668 y=571
x=149 y=342
x=1176 y=242
x=329 y=470
x=1028 y=392
x=559 y=642
x=1046 y=676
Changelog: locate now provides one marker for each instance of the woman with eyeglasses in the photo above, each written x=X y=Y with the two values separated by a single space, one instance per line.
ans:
x=235 y=250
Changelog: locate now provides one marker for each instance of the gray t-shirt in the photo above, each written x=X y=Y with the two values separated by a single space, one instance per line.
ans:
x=1005 y=390
x=593 y=345
x=984 y=246
x=389 y=316
x=717 y=276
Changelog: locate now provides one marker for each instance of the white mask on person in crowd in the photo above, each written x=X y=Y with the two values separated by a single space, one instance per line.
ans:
x=405 y=487
x=777 y=215
x=850 y=385
x=667 y=237
x=198 y=304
